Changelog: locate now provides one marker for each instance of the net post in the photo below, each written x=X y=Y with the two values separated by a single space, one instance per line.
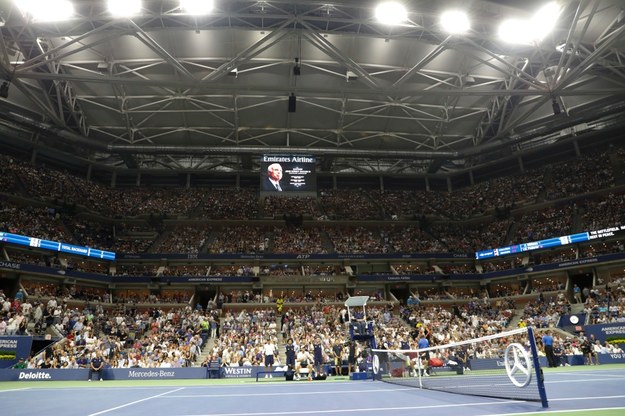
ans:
x=420 y=369
x=539 y=372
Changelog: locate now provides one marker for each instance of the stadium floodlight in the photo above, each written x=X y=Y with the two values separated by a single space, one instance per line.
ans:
x=46 y=10
x=455 y=22
x=391 y=13
x=197 y=7
x=531 y=31
x=124 y=8
x=515 y=31
x=545 y=19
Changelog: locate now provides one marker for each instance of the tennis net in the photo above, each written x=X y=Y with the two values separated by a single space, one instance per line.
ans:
x=503 y=365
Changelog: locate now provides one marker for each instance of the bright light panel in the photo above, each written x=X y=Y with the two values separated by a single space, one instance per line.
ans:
x=47 y=10
x=531 y=31
x=545 y=20
x=455 y=21
x=124 y=8
x=515 y=31
x=391 y=13
x=198 y=7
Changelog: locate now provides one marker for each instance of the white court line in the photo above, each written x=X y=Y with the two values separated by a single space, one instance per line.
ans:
x=561 y=399
x=283 y=393
x=13 y=390
x=585 y=380
x=596 y=374
x=370 y=409
x=382 y=409
x=555 y=411
x=306 y=392
x=135 y=402
x=215 y=387
x=91 y=387
x=386 y=409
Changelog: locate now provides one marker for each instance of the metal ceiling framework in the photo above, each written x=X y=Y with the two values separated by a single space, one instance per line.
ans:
x=168 y=90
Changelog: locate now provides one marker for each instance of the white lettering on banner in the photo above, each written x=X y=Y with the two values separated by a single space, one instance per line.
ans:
x=8 y=265
x=8 y=343
x=236 y=372
x=151 y=374
x=611 y=330
x=503 y=363
x=578 y=262
x=299 y=159
x=205 y=279
x=67 y=247
x=39 y=375
x=617 y=356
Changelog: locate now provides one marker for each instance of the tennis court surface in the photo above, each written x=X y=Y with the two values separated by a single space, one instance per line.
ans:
x=580 y=390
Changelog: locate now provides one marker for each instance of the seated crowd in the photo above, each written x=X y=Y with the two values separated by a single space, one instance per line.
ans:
x=318 y=335
x=127 y=337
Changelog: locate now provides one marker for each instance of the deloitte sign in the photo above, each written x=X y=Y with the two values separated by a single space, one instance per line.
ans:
x=38 y=375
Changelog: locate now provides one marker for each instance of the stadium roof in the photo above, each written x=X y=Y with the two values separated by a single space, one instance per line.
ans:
x=168 y=90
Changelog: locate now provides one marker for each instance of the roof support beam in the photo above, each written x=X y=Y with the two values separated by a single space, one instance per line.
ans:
x=325 y=46
x=160 y=51
x=423 y=62
x=247 y=54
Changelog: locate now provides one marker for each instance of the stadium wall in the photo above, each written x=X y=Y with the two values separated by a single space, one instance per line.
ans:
x=225 y=372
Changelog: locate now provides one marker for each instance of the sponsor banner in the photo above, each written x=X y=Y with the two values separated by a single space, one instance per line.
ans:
x=10 y=265
x=495 y=363
x=396 y=278
x=556 y=266
x=240 y=372
x=247 y=371
x=252 y=371
x=107 y=374
x=207 y=279
x=43 y=375
x=416 y=277
x=12 y=348
x=129 y=373
x=607 y=332
x=154 y=373
x=288 y=256
x=579 y=262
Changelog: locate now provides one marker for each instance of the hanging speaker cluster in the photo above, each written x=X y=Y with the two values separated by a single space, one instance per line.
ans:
x=292 y=103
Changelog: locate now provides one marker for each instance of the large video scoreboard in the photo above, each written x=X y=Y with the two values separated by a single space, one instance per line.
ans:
x=288 y=173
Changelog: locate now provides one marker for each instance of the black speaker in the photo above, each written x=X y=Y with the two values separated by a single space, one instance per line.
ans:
x=292 y=103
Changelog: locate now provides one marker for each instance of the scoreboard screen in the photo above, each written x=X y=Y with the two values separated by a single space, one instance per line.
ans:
x=288 y=173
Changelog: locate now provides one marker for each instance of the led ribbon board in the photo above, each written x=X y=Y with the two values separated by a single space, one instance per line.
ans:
x=27 y=241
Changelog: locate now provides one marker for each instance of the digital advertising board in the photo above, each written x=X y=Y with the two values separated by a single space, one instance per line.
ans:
x=288 y=173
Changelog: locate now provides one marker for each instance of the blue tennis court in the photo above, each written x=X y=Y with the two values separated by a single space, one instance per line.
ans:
x=594 y=388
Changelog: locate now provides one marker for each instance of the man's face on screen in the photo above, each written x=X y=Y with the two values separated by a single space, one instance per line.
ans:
x=275 y=172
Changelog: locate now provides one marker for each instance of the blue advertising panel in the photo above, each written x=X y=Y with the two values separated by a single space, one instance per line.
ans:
x=14 y=347
x=23 y=240
x=415 y=277
x=108 y=374
x=495 y=363
x=130 y=373
x=607 y=332
x=551 y=242
x=290 y=256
